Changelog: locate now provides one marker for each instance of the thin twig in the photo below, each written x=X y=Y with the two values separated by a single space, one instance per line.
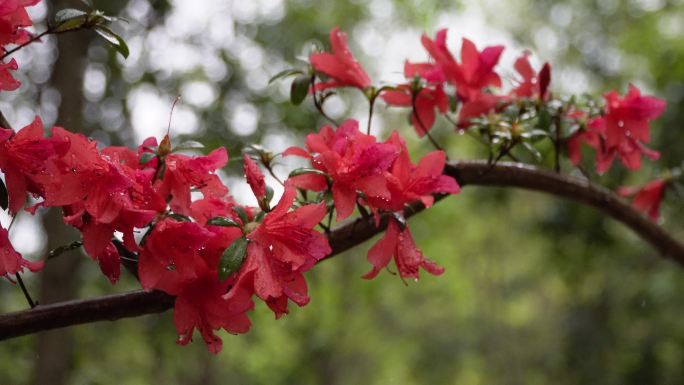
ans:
x=319 y=104
x=371 y=101
x=25 y=291
x=557 y=140
x=173 y=106
x=269 y=168
x=62 y=249
x=32 y=40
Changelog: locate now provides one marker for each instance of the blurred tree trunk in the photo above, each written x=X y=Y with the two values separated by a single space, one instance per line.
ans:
x=60 y=279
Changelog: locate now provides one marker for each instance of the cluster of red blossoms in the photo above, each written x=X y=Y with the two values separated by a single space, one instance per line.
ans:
x=620 y=129
x=189 y=244
x=212 y=254
x=215 y=255
x=359 y=171
x=474 y=79
x=13 y=20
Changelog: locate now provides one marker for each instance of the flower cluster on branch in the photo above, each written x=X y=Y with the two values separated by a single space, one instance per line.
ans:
x=187 y=236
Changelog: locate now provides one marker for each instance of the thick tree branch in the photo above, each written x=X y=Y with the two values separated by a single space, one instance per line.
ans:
x=523 y=176
x=353 y=233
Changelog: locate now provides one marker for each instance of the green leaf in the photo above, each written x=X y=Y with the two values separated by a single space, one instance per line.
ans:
x=283 y=74
x=506 y=135
x=113 y=39
x=241 y=213
x=537 y=155
x=571 y=129
x=534 y=134
x=306 y=170
x=69 y=19
x=4 y=199
x=69 y=14
x=162 y=171
x=146 y=157
x=544 y=119
x=179 y=217
x=453 y=103
x=269 y=193
x=98 y=18
x=299 y=89
x=539 y=133
x=265 y=203
x=232 y=258
x=223 y=221
x=189 y=145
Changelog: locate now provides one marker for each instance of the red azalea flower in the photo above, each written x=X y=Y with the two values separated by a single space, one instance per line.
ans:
x=24 y=158
x=476 y=71
x=280 y=249
x=630 y=150
x=291 y=235
x=175 y=253
x=471 y=77
x=647 y=198
x=109 y=261
x=204 y=209
x=121 y=155
x=427 y=100
x=122 y=200
x=11 y=262
x=428 y=71
x=183 y=173
x=201 y=304
x=398 y=243
x=7 y=81
x=340 y=65
x=353 y=160
x=625 y=127
x=574 y=145
x=13 y=20
x=622 y=131
x=593 y=135
x=629 y=116
x=101 y=194
x=270 y=279
x=574 y=142
x=532 y=84
x=255 y=178
x=181 y=259
x=408 y=182
x=70 y=177
x=481 y=104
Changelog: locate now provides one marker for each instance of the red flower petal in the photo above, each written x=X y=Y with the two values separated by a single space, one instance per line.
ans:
x=255 y=178
x=381 y=253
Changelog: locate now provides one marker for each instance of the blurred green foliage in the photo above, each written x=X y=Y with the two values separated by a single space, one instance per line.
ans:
x=536 y=290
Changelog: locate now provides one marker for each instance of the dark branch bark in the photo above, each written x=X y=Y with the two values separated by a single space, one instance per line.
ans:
x=58 y=315
x=575 y=189
x=355 y=232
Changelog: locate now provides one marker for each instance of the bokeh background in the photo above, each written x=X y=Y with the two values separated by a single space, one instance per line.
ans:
x=536 y=290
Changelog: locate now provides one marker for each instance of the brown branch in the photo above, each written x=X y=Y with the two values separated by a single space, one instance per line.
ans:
x=350 y=234
x=62 y=314
x=575 y=189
